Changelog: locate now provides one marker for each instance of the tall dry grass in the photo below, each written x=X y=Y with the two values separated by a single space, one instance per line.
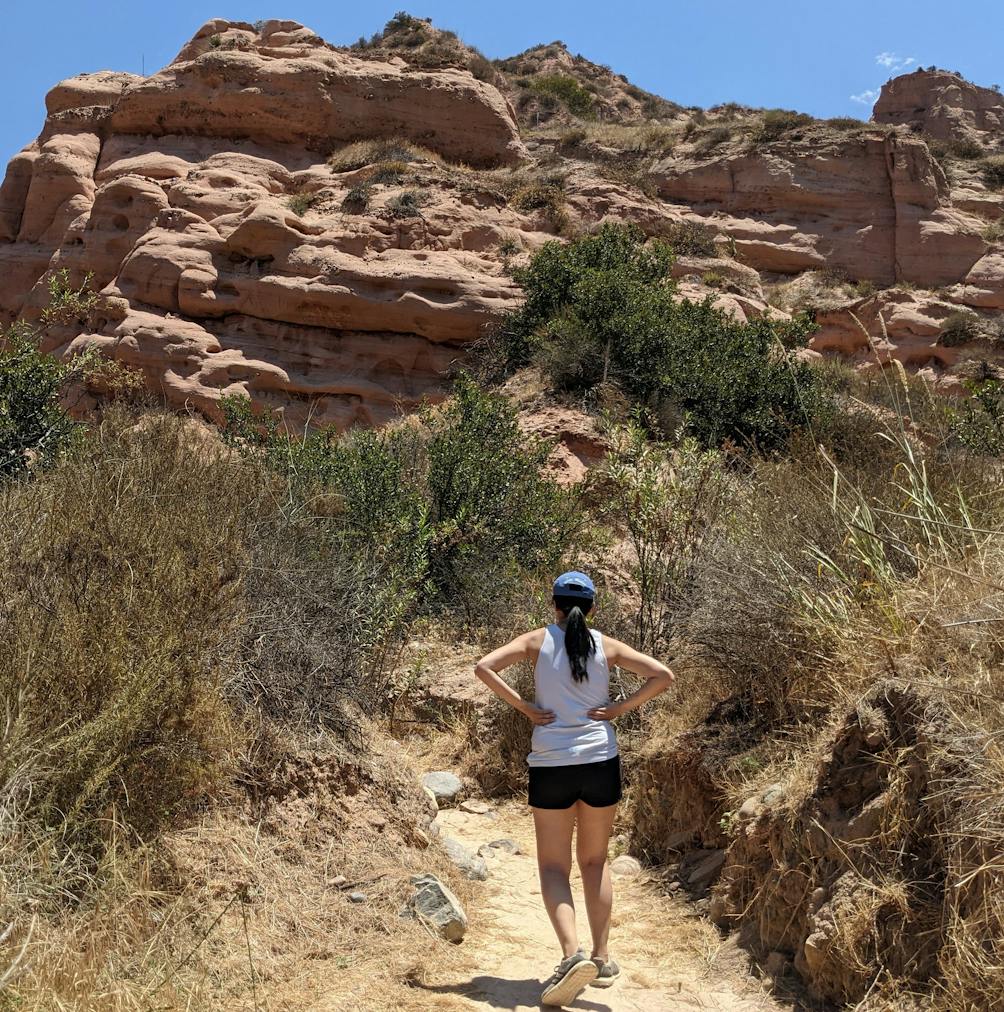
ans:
x=178 y=626
x=872 y=555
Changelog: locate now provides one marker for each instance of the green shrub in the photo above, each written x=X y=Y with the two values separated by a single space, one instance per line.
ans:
x=993 y=231
x=301 y=203
x=603 y=307
x=959 y=327
x=510 y=245
x=979 y=422
x=34 y=428
x=565 y=89
x=690 y=239
x=446 y=513
x=665 y=500
x=846 y=123
x=993 y=172
x=542 y=195
x=713 y=137
x=388 y=172
x=492 y=514
x=67 y=305
x=407 y=204
x=775 y=123
x=482 y=68
x=357 y=200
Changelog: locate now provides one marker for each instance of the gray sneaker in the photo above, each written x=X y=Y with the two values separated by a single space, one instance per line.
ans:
x=606 y=973
x=569 y=980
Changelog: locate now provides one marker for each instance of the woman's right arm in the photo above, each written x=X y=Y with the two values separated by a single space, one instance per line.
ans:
x=658 y=678
x=522 y=648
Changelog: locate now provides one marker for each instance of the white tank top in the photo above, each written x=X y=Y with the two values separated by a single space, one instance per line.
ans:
x=574 y=737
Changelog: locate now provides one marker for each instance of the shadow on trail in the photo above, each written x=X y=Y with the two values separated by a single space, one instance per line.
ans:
x=500 y=993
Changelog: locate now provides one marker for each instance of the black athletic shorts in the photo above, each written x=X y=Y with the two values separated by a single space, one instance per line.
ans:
x=597 y=784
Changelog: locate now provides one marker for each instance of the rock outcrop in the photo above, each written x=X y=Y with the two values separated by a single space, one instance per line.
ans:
x=326 y=231
x=944 y=106
x=874 y=205
x=200 y=204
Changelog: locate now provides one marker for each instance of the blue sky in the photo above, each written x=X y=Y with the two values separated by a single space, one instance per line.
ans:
x=808 y=55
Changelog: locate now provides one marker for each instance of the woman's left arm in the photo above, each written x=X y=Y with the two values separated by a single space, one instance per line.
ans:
x=658 y=678
x=487 y=670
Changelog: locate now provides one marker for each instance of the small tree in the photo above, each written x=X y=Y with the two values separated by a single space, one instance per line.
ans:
x=665 y=500
x=34 y=428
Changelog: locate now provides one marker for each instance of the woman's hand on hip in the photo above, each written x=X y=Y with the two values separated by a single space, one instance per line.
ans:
x=537 y=714
x=609 y=711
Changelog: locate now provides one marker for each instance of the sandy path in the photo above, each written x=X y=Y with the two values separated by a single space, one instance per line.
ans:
x=667 y=955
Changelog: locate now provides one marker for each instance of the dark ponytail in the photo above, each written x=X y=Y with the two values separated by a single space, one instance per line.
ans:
x=579 y=643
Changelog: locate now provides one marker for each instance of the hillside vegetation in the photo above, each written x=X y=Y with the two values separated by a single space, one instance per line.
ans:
x=279 y=423
x=811 y=549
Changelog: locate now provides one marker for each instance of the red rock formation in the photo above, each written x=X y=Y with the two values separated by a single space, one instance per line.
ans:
x=944 y=106
x=173 y=193
x=232 y=257
x=875 y=206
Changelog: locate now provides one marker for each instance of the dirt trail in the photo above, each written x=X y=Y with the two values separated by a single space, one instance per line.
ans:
x=671 y=960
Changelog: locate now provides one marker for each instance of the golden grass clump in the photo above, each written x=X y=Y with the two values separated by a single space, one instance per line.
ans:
x=122 y=573
x=359 y=154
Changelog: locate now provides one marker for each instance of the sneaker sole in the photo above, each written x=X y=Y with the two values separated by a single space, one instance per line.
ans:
x=604 y=981
x=570 y=986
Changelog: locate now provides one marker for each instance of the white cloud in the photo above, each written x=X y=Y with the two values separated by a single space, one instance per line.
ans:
x=866 y=97
x=894 y=62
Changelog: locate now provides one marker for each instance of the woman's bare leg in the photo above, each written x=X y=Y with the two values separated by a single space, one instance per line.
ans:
x=554 y=862
x=591 y=847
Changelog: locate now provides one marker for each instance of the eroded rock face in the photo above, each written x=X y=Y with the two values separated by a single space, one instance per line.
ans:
x=200 y=203
x=875 y=206
x=811 y=878
x=285 y=85
x=232 y=257
x=944 y=106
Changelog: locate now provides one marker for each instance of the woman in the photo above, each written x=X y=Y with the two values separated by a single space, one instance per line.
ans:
x=574 y=767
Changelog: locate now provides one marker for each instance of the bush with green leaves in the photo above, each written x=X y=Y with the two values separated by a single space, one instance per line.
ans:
x=448 y=512
x=565 y=89
x=993 y=172
x=34 y=427
x=776 y=123
x=978 y=423
x=603 y=308
x=407 y=204
x=300 y=203
x=664 y=500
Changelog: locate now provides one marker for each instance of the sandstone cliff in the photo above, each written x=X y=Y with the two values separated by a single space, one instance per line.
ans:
x=326 y=230
x=944 y=106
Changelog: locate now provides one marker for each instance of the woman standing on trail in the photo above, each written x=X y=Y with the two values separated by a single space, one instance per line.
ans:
x=574 y=767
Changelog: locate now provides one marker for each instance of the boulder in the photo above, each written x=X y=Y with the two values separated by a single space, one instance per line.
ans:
x=445 y=786
x=625 y=866
x=436 y=905
x=472 y=866
x=476 y=807
x=943 y=105
x=503 y=846
x=703 y=873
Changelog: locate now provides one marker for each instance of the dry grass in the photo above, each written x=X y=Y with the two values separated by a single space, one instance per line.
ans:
x=834 y=575
x=360 y=154
x=239 y=910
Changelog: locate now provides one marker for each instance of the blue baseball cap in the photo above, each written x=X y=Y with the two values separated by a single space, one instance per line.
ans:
x=574 y=584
